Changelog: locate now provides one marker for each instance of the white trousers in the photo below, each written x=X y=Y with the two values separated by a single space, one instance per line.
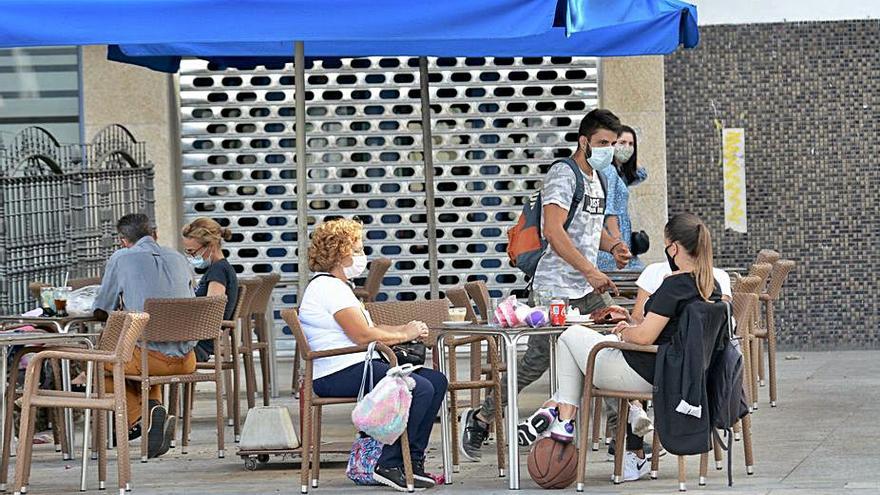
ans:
x=612 y=371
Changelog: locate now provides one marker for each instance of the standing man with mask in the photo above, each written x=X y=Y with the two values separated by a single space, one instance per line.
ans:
x=568 y=267
x=143 y=270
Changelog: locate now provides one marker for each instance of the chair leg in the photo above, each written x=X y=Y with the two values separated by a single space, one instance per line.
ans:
x=101 y=430
x=761 y=375
x=682 y=474
x=264 y=368
x=453 y=409
x=747 y=444
x=597 y=422
x=747 y=368
x=583 y=435
x=187 y=416
x=756 y=344
x=250 y=378
x=620 y=447
x=145 y=418
x=307 y=435
x=476 y=371
x=655 y=459
x=317 y=449
x=494 y=364
x=294 y=382
x=771 y=351
x=121 y=432
x=25 y=448
x=407 y=462
x=58 y=423
x=230 y=399
x=218 y=398
x=174 y=410
x=8 y=419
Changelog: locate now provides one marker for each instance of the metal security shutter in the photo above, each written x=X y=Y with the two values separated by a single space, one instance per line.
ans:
x=498 y=124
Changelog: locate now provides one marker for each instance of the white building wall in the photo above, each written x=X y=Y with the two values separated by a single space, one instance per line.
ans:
x=761 y=11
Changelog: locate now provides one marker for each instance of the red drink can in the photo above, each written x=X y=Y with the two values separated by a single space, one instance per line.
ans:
x=557 y=313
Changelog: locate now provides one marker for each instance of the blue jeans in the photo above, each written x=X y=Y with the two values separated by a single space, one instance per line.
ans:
x=427 y=397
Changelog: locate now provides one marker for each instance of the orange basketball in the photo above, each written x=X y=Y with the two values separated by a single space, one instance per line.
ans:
x=553 y=464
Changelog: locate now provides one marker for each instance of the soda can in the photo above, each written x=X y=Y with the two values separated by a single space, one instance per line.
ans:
x=557 y=313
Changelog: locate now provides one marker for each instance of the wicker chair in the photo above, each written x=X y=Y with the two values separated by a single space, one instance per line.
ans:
x=762 y=271
x=230 y=363
x=744 y=305
x=312 y=405
x=767 y=256
x=257 y=323
x=767 y=332
x=183 y=320
x=378 y=268
x=117 y=346
x=459 y=298
x=591 y=392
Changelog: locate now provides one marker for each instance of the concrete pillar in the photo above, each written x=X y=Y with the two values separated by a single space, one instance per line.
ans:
x=633 y=88
x=145 y=102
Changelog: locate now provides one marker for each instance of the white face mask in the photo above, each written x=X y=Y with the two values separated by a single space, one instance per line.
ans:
x=623 y=153
x=601 y=158
x=359 y=264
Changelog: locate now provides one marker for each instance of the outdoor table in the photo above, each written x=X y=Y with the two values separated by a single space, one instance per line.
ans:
x=510 y=338
x=8 y=339
x=61 y=325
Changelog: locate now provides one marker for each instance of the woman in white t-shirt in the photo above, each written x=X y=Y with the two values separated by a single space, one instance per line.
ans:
x=652 y=277
x=332 y=317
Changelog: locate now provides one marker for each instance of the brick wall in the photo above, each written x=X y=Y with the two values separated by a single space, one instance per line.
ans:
x=808 y=96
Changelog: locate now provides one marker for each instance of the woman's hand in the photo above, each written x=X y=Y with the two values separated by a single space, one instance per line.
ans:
x=415 y=330
x=618 y=330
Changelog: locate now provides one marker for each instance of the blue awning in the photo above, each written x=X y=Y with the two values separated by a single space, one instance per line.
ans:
x=603 y=28
x=99 y=22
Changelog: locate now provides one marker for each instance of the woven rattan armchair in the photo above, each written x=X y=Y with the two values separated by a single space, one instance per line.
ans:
x=118 y=341
x=257 y=325
x=459 y=298
x=767 y=332
x=183 y=320
x=378 y=268
x=312 y=405
x=230 y=363
x=242 y=349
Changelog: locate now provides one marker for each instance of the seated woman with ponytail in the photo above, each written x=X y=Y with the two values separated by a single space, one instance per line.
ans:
x=689 y=253
x=202 y=240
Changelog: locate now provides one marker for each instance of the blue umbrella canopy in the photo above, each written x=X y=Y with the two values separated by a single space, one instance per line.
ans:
x=604 y=28
x=93 y=22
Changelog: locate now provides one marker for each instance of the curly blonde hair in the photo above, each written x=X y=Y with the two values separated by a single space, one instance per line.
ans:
x=332 y=241
x=206 y=231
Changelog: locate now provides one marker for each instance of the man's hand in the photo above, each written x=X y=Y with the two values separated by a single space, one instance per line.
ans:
x=621 y=254
x=600 y=282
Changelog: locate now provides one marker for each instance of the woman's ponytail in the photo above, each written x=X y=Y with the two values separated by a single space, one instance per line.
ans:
x=703 y=262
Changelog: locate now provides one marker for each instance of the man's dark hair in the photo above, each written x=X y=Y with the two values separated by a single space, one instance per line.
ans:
x=134 y=226
x=599 y=119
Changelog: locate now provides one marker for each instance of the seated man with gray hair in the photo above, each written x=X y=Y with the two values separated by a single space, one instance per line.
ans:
x=143 y=270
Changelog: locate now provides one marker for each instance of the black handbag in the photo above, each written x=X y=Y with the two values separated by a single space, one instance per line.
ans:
x=639 y=243
x=410 y=353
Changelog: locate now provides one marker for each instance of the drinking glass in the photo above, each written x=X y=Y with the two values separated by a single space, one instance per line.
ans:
x=61 y=296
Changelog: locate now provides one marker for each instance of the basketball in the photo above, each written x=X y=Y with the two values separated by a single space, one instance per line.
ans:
x=553 y=464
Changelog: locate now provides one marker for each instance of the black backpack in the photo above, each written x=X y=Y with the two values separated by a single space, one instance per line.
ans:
x=724 y=387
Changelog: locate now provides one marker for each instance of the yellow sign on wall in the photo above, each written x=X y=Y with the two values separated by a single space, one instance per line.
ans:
x=734 y=167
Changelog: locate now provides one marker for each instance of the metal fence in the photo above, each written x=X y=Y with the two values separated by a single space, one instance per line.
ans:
x=59 y=204
x=498 y=123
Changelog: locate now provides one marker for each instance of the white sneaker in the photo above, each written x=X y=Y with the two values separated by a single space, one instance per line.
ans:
x=639 y=421
x=635 y=467
x=562 y=430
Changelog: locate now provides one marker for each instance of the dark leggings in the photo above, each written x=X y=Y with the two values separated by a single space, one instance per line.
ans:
x=427 y=397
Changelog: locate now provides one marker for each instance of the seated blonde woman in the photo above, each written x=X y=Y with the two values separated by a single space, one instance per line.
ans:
x=332 y=317
x=689 y=254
